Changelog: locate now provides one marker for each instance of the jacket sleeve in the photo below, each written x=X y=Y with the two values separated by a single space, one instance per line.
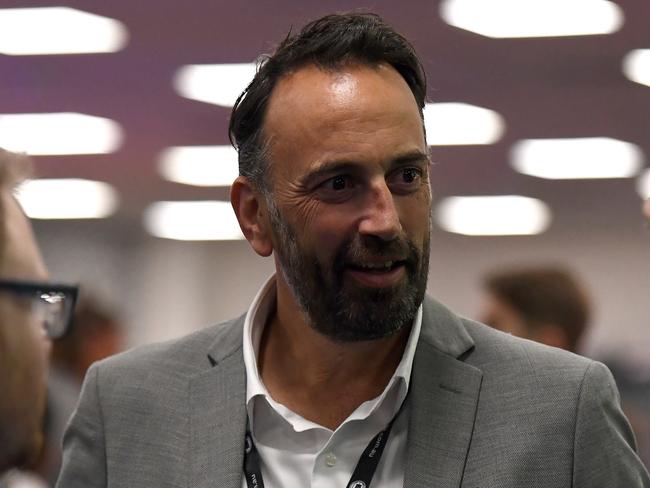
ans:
x=604 y=446
x=84 y=454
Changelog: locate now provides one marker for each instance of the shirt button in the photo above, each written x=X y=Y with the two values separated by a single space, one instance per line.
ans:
x=330 y=459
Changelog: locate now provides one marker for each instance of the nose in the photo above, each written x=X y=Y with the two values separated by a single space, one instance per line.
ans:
x=380 y=217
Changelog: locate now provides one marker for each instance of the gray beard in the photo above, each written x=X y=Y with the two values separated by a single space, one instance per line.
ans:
x=351 y=313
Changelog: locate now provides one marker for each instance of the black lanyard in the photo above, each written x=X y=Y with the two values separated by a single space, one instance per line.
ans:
x=361 y=477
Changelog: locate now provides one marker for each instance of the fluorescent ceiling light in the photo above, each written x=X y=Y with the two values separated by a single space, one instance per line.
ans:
x=67 y=199
x=58 y=30
x=59 y=133
x=193 y=221
x=200 y=165
x=219 y=84
x=584 y=158
x=636 y=66
x=533 y=18
x=461 y=124
x=493 y=215
x=643 y=184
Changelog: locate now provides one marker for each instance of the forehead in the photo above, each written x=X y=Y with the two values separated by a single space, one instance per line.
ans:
x=20 y=255
x=356 y=108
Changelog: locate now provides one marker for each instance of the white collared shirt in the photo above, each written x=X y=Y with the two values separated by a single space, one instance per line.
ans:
x=298 y=453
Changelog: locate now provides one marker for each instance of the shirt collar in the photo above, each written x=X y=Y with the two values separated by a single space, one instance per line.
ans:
x=256 y=318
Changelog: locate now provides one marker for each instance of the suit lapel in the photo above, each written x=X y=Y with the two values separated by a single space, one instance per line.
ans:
x=217 y=399
x=444 y=395
x=443 y=399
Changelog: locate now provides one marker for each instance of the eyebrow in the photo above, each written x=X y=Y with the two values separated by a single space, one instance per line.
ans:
x=336 y=166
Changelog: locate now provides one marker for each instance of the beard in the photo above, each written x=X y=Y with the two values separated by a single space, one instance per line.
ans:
x=345 y=311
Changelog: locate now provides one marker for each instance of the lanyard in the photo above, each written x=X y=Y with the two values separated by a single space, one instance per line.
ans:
x=361 y=477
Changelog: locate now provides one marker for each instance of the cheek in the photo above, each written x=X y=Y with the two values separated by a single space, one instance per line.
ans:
x=41 y=344
x=330 y=231
x=317 y=226
x=416 y=219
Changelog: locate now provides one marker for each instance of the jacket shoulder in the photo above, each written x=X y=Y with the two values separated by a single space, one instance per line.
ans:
x=181 y=357
x=496 y=350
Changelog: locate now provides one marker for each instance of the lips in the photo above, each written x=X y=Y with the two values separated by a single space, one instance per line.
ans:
x=382 y=266
x=377 y=274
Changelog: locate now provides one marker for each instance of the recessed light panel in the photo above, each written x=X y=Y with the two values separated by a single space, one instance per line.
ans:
x=67 y=199
x=200 y=165
x=583 y=158
x=461 y=124
x=643 y=184
x=58 y=30
x=636 y=66
x=193 y=221
x=533 y=18
x=59 y=133
x=219 y=84
x=493 y=215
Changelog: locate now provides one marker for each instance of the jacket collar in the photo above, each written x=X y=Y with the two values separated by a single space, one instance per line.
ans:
x=443 y=399
x=217 y=412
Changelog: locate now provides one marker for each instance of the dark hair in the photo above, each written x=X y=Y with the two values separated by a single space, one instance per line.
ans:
x=329 y=43
x=544 y=295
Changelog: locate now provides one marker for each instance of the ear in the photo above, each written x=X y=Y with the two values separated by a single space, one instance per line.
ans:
x=250 y=208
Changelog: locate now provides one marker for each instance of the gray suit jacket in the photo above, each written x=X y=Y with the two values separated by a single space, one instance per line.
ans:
x=486 y=411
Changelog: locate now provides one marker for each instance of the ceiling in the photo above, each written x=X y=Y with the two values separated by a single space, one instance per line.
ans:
x=553 y=87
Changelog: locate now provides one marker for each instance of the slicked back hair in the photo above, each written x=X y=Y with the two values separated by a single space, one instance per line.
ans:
x=330 y=43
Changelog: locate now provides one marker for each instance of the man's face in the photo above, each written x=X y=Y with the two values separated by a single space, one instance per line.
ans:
x=350 y=203
x=24 y=348
x=646 y=210
x=501 y=316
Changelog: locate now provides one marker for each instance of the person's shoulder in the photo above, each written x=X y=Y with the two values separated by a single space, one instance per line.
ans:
x=489 y=349
x=512 y=358
x=181 y=357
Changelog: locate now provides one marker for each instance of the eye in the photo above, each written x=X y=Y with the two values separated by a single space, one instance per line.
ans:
x=338 y=183
x=405 y=180
x=337 y=188
x=410 y=175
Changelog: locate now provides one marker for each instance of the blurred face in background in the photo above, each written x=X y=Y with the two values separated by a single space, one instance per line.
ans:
x=24 y=347
x=501 y=316
x=646 y=209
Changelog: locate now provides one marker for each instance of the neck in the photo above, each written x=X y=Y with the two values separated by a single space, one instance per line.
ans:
x=323 y=380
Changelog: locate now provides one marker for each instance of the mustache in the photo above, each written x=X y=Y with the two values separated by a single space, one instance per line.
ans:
x=373 y=249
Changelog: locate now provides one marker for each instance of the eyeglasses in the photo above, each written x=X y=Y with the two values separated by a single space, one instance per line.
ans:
x=52 y=303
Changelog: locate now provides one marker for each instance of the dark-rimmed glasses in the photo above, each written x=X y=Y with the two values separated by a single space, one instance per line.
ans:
x=50 y=302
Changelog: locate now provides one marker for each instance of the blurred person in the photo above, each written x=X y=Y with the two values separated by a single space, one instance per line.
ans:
x=343 y=372
x=96 y=333
x=32 y=312
x=646 y=209
x=546 y=304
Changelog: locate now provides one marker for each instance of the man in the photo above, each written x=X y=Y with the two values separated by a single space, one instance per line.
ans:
x=544 y=303
x=32 y=312
x=646 y=209
x=341 y=373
